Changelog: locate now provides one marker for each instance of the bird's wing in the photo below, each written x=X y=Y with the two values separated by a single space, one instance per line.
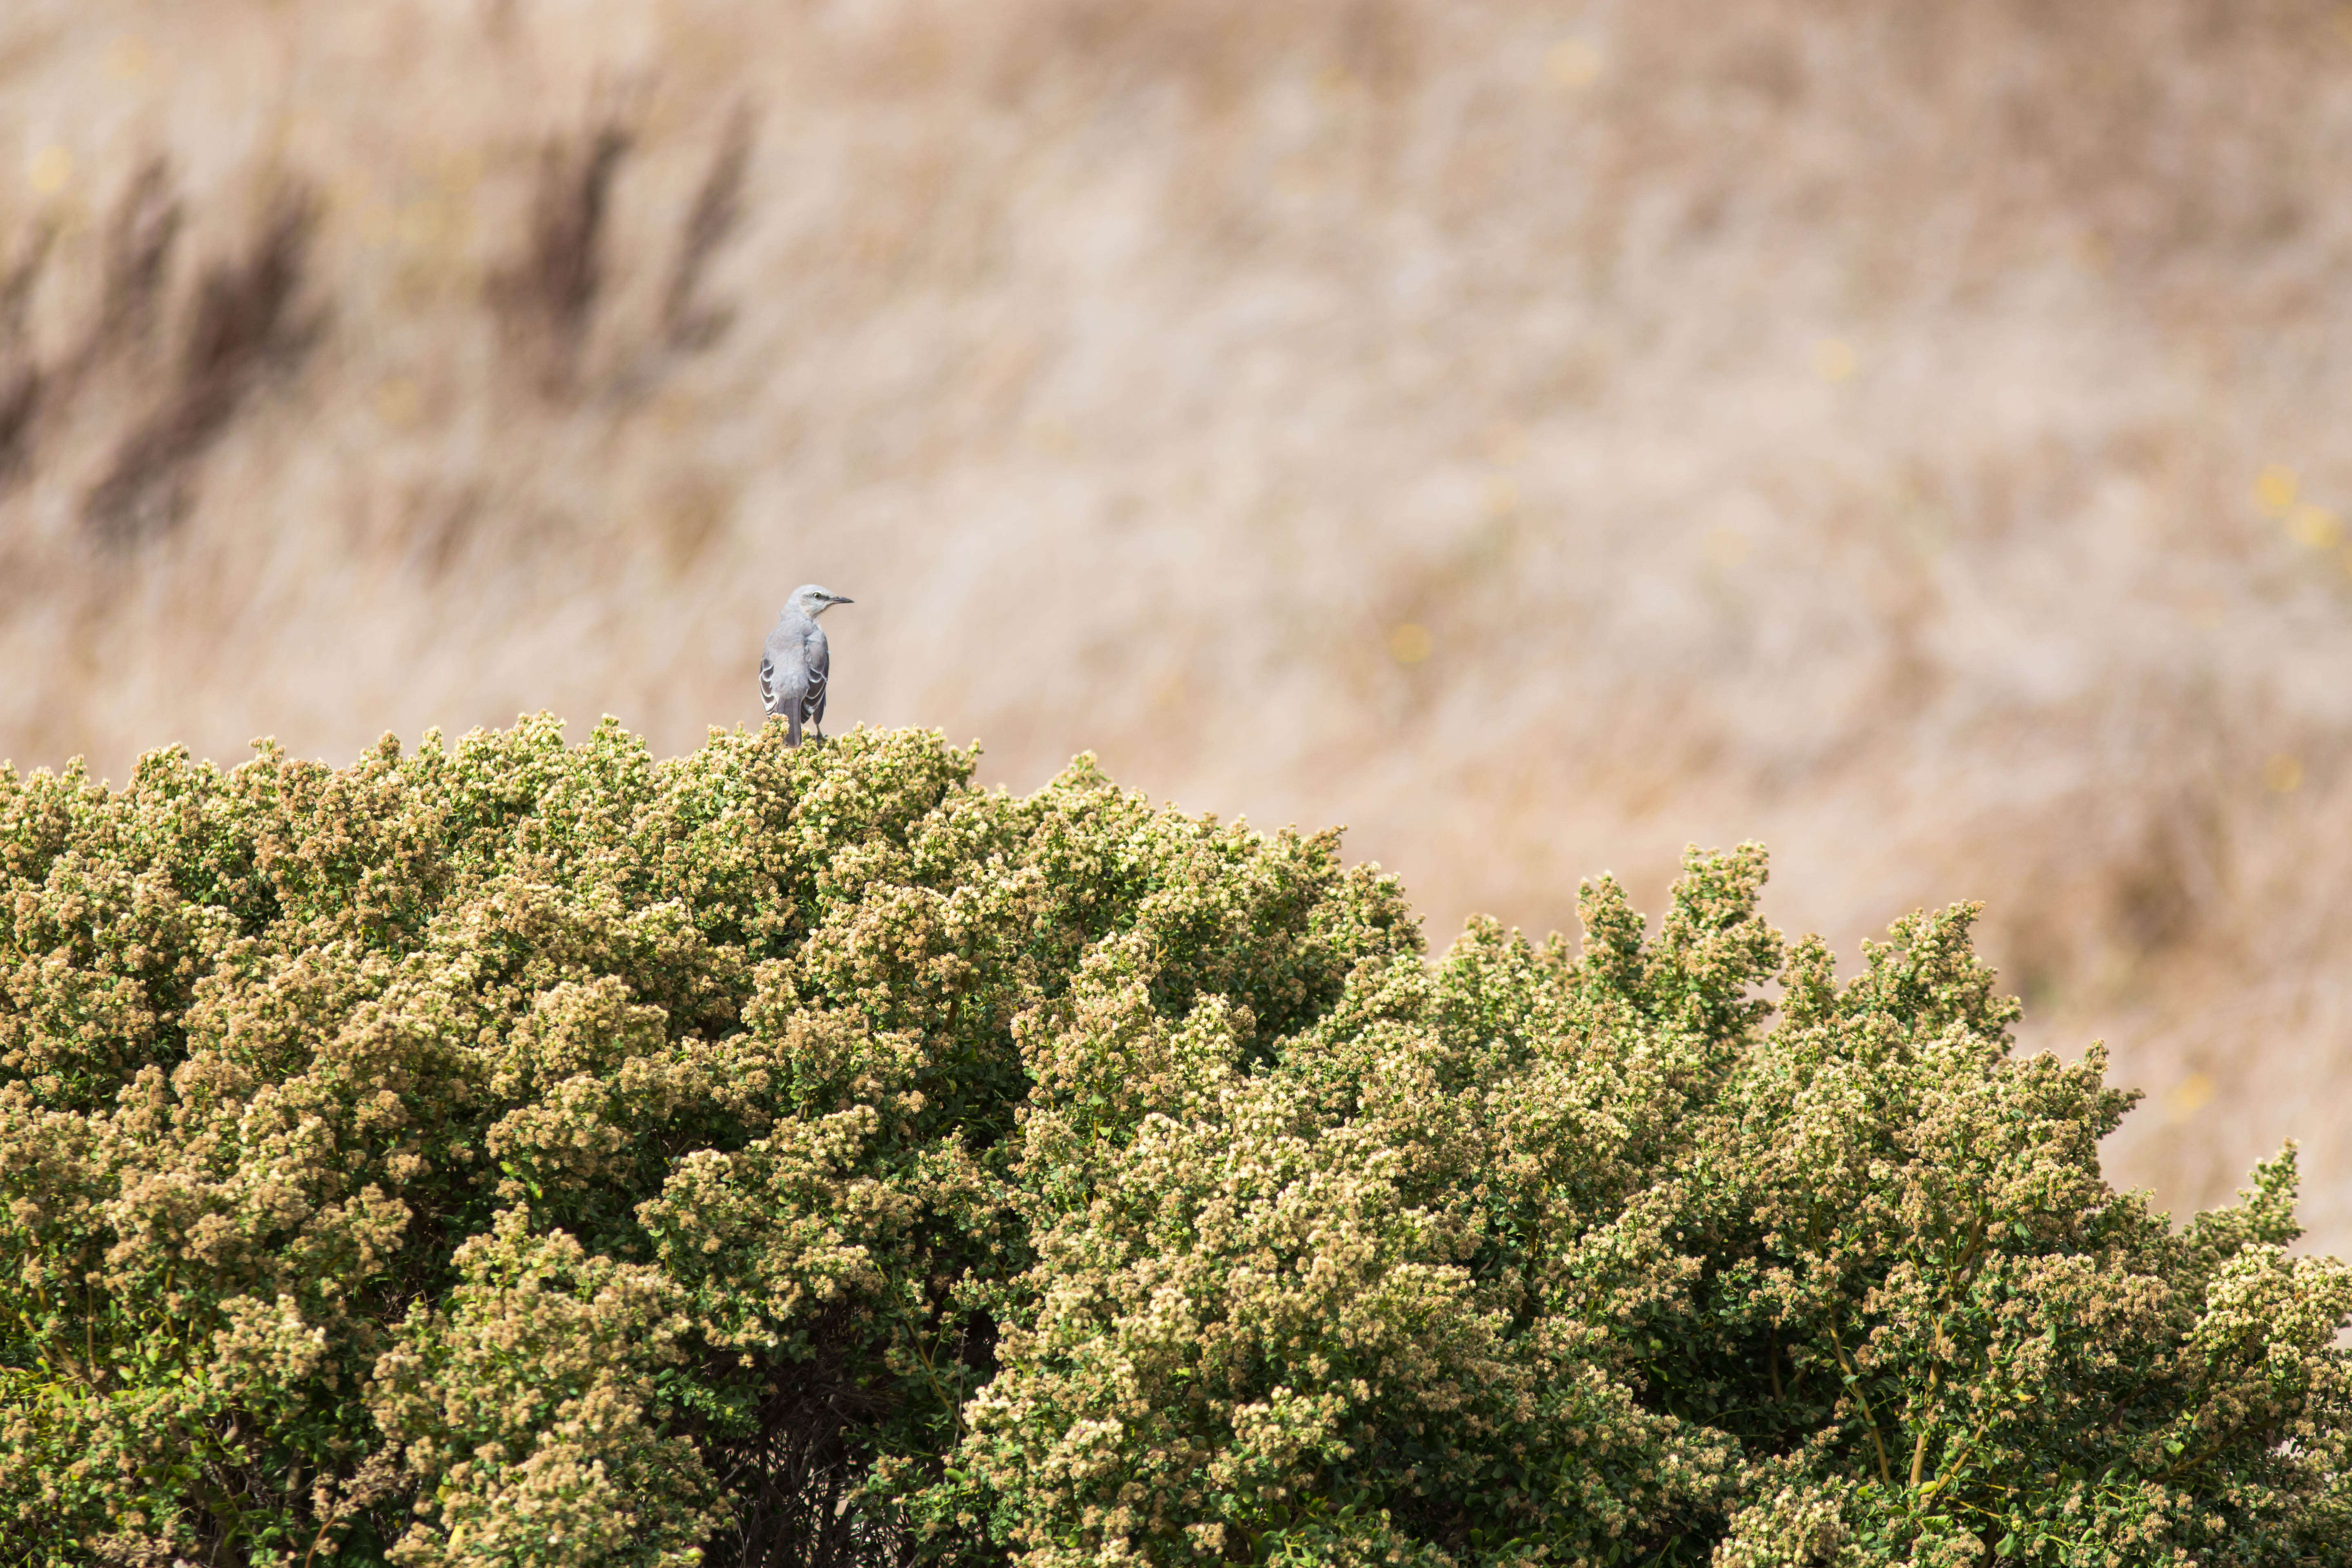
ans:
x=767 y=681
x=817 y=660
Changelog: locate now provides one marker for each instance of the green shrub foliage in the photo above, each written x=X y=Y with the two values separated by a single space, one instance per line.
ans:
x=541 y=1155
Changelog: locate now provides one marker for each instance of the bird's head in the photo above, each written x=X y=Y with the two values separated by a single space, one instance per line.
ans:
x=812 y=601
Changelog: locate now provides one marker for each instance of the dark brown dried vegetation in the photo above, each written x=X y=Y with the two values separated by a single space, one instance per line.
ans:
x=20 y=371
x=245 y=328
x=689 y=322
x=546 y=296
x=135 y=259
x=138 y=257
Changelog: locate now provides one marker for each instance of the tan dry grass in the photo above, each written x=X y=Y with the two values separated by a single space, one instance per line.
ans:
x=1540 y=436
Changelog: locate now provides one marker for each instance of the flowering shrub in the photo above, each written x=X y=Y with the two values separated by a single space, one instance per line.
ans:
x=522 y=1154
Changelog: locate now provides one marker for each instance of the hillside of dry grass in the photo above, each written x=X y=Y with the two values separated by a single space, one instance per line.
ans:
x=1539 y=436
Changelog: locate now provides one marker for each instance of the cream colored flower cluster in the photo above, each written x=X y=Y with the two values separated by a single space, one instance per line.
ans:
x=532 y=1154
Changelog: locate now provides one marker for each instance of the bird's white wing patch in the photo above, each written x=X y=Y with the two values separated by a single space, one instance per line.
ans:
x=767 y=683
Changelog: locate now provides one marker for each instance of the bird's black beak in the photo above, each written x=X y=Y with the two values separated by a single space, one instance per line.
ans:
x=837 y=599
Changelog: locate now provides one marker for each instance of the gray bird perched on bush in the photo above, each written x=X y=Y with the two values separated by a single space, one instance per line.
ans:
x=794 y=665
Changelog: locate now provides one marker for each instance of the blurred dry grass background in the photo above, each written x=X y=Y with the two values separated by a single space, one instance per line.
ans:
x=1540 y=435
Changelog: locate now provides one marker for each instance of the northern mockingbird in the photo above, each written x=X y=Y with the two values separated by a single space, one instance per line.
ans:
x=794 y=665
